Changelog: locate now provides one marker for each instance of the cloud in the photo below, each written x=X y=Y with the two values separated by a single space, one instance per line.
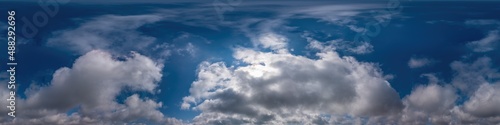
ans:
x=117 y=34
x=480 y=83
x=490 y=41
x=468 y=77
x=4 y=94
x=485 y=101
x=273 y=41
x=482 y=22
x=340 y=45
x=281 y=88
x=486 y=44
x=419 y=62
x=91 y=86
x=429 y=103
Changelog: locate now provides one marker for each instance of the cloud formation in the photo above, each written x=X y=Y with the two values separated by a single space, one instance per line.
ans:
x=117 y=34
x=281 y=88
x=487 y=43
x=90 y=88
x=419 y=62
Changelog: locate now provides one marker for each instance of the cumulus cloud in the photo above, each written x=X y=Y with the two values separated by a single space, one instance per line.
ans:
x=91 y=86
x=482 y=22
x=480 y=82
x=280 y=88
x=4 y=95
x=429 y=103
x=419 y=62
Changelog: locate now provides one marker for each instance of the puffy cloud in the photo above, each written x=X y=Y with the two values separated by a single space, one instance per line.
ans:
x=279 y=88
x=490 y=41
x=419 y=62
x=486 y=44
x=90 y=87
x=485 y=101
x=482 y=22
x=431 y=103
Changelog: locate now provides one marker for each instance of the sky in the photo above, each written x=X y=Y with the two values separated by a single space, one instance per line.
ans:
x=228 y=62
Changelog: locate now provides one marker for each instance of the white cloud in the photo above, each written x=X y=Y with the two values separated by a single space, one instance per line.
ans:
x=429 y=103
x=486 y=44
x=432 y=98
x=91 y=86
x=485 y=101
x=333 y=13
x=363 y=48
x=491 y=39
x=4 y=95
x=340 y=45
x=273 y=41
x=482 y=22
x=280 y=88
x=117 y=34
x=469 y=77
x=419 y=62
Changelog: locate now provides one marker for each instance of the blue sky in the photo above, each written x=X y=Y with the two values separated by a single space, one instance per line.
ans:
x=257 y=62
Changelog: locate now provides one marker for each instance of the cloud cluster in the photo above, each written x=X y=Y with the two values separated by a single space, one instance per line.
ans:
x=89 y=90
x=281 y=88
x=340 y=45
x=485 y=44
